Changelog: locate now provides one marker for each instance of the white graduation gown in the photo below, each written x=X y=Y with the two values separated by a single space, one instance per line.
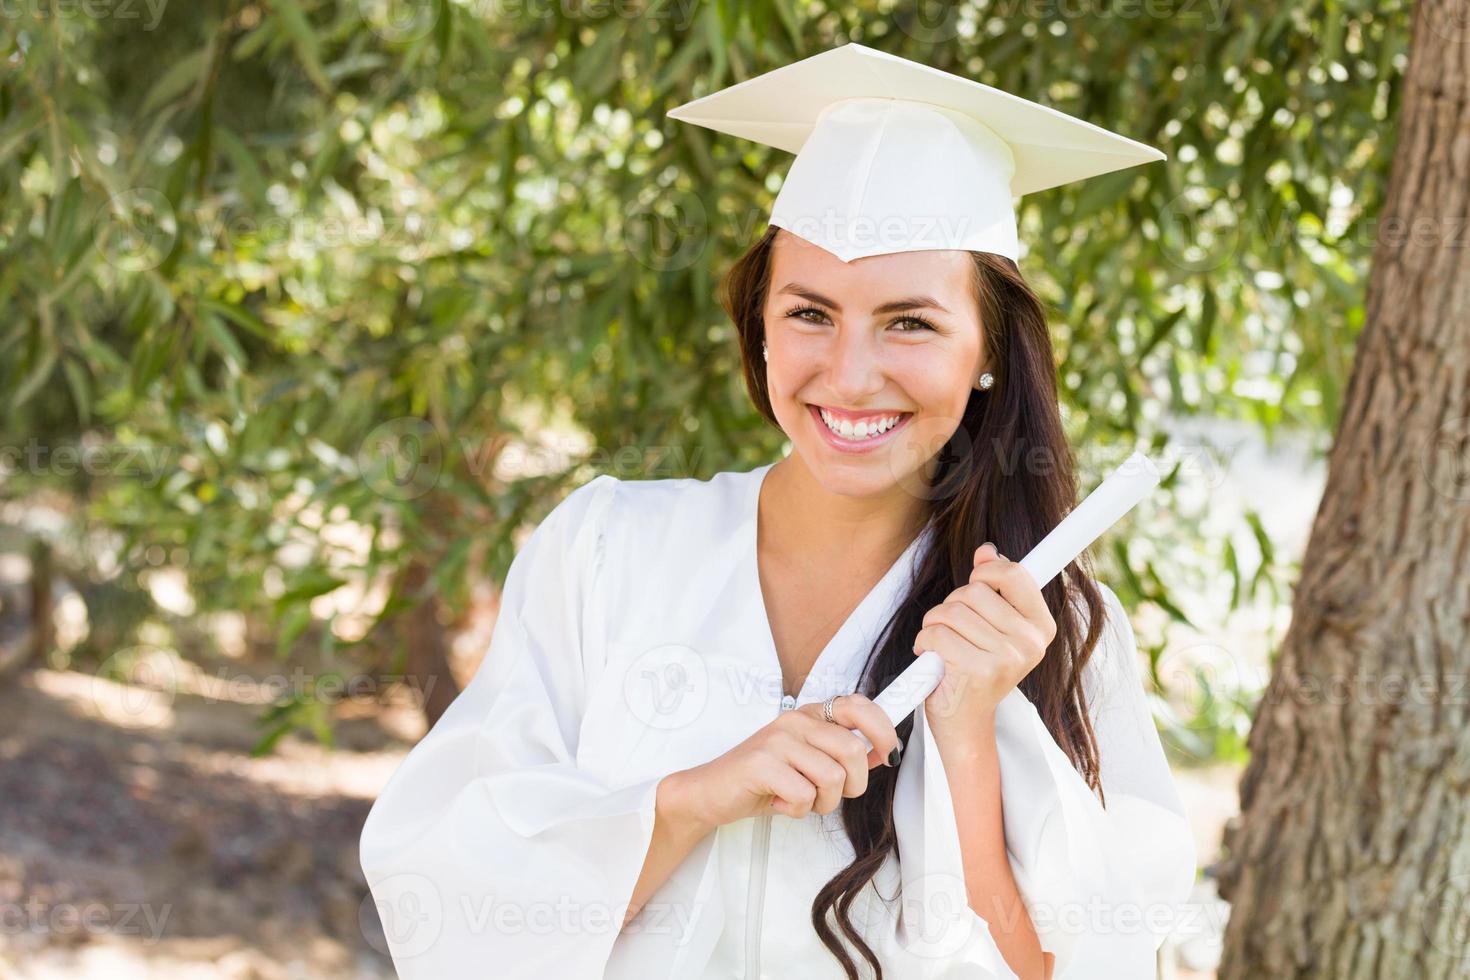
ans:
x=632 y=641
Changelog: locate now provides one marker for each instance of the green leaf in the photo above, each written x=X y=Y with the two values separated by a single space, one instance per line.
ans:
x=18 y=130
x=1205 y=329
x=224 y=341
x=293 y=624
x=183 y=74
x=36 y=377
x=273 y=735
x=1263 y=542
x=239 y=316
x=1160 y=595
x=81 y=388
x=305 y=41
x=1232 y=565
x=788 y=20
x=308 y=583
x=1161 y=330
x=677 y=68
x=715 y=42
x=242 y=161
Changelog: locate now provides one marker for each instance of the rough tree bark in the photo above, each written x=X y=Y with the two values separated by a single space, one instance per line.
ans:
x=1351 y=856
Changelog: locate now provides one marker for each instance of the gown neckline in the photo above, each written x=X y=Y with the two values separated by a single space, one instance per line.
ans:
x=843 y=642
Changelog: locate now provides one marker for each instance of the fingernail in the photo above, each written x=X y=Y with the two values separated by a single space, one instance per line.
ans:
x=893 y=756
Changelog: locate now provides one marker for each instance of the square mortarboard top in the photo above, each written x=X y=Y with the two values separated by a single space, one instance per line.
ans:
x=893 y=155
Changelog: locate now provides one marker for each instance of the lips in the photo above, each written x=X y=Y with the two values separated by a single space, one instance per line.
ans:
x=853 y=437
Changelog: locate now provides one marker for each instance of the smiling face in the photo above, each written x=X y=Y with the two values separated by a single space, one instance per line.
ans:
x=887 y=344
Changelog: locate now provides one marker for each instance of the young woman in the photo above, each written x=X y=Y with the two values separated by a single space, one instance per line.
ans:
x=655 y=771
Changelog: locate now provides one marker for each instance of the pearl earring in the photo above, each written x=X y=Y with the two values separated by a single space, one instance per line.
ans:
x=765 y=354
x=986 y=381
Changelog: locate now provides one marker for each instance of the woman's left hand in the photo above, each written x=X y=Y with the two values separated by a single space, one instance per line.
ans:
x=991 y=632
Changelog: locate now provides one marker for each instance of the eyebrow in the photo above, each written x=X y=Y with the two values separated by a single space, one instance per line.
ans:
x=893 y=306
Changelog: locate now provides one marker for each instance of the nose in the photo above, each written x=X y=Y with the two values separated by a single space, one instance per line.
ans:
x=855 y=369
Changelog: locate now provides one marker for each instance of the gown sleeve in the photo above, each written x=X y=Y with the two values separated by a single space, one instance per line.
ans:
x=1103 y=886
x=490 y=852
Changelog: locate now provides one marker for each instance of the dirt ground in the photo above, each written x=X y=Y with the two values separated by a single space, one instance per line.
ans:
x=139 y=838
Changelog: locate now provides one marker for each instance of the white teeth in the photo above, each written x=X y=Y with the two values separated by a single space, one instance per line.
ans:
x=865 y=429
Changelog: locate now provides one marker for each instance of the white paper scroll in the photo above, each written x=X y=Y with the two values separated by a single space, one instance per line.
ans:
x=1133 y=480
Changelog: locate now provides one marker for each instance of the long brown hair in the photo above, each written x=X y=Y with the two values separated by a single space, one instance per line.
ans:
x=1005 y=476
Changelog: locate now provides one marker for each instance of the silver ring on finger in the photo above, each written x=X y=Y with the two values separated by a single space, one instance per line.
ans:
x=827 y=708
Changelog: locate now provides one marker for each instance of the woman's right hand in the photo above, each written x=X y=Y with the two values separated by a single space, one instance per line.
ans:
x=796 y=764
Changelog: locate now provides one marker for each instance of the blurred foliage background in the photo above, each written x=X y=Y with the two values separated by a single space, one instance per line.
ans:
x=312 y=307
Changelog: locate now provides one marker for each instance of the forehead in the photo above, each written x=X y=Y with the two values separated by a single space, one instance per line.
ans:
x=944 y=274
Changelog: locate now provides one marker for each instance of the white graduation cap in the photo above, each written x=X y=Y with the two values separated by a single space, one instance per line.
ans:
x=895 y=156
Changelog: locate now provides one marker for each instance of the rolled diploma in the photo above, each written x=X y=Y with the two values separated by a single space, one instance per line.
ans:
x=1133 y=480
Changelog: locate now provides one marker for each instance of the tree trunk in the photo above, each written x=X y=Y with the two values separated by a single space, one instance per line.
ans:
x=33 y=640
x=43 y=605
x=428 y=647
x=1351 y=856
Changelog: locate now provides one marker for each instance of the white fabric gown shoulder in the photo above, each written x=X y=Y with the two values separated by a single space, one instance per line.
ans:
x=632 y=642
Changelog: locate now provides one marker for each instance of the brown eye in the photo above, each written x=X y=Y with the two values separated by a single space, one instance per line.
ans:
x=799 y=313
